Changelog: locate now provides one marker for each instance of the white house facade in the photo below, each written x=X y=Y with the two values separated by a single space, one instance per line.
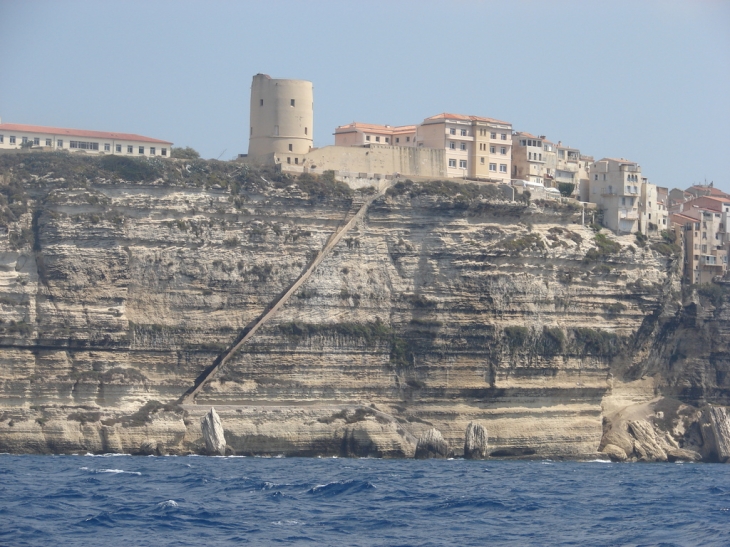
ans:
x=15 y=136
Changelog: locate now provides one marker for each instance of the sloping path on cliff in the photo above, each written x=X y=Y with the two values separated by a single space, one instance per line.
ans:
x=248 y=332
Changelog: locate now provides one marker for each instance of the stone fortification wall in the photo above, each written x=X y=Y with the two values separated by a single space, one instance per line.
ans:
x=379 y=159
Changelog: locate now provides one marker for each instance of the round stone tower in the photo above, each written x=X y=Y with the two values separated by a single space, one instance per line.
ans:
x=282 y=115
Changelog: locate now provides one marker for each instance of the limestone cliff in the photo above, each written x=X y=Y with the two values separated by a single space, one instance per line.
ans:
x=125 y=283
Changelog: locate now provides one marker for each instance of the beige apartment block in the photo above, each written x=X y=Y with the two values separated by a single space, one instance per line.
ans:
x=282 y=119
x=627 y=199
x=15 y=136
x=452 y=133
x=530 y=158
x=362 y=134
x=704 y=242
x=492 y=158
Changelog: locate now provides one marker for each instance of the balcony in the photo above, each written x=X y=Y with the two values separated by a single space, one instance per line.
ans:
x=627 y=214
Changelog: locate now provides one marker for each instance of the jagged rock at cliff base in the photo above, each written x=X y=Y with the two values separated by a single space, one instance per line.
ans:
x=647 y=446
x=615 y=453
x=475 y=443
x=720 y=422
x=431 y=445
x=215 y=441
x=683 y=455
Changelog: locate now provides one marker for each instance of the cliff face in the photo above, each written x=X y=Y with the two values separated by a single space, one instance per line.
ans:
x=122 y=282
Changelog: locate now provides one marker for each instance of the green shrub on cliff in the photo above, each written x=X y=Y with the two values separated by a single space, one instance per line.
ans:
x=597 y=342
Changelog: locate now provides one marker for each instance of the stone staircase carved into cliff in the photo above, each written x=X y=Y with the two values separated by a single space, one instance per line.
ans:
x=248 y=332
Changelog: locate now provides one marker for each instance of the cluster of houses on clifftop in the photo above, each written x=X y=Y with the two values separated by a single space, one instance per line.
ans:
x=474 y=148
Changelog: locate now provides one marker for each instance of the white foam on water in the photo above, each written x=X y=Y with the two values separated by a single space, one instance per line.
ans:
x=117 y=471
x=168 y=503
x=598 y=461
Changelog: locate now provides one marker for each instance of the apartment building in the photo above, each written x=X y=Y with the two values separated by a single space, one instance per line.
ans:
x=705 y=243
x=453 y=133
x=628 y=201
x=530 y=156
x=361 y=134
x=15 y=136
x=492 y=158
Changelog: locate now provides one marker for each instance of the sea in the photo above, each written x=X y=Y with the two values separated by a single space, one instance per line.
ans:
x=217 y=501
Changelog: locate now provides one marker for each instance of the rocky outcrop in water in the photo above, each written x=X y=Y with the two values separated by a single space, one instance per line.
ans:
x=212 y=430
x=475 y=442
x=122 y=282
x=432 y=445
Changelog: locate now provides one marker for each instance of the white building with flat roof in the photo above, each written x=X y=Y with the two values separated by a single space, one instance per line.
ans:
x=15 y=136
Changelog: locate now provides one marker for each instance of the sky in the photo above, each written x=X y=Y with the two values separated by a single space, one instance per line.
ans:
x=644 y=80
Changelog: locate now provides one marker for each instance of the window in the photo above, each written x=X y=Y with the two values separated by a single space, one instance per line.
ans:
x=462 y=146
x=288 y=160
x=291 y=148
x=377 y=139
x=59 y=143
x=452 y=131
x=367 y=137
x=130 y=150
x=2 y=139
x=292 y=102
x=164 y=151
x=481 y=160
x=141 y=149
x=463 y=132
x=119 y=148
x=408 y=139
x=107 y=147
x=452 y=163
x=492 y=166
x=504 y=136
x=503 y=151
x=604 y=176
x=152 y=150
x=523 y=142
x=12 y=139
x=306 y=131
x=25 y=139
x=48 y=142
x=296 y=160
x=649 y=216
x=704 y=235
x=529 y=155
x=623 y=201
x=540 y=156
x=36 y=141
x=452 y=145
x=493 y=135
x=261 y=103
x=397 y=140
x=387 y=139
x=502 y=167
x=462 y=164
x=81 y=145
x=492 y=149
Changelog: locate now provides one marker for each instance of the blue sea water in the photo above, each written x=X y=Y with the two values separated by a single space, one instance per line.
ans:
x=161 y=501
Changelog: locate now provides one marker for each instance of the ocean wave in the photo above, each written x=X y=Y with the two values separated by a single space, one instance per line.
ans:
x=108 y=455
x=116 y=471
x=341 y=487
x=169 y=504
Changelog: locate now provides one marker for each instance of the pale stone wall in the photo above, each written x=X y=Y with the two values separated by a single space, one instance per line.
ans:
x=380 y=159
x=279 y=125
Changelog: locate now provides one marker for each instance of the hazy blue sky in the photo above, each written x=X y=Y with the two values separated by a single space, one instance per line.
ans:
x=644 y=80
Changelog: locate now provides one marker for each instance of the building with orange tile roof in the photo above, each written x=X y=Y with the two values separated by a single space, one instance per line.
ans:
x=15 y=136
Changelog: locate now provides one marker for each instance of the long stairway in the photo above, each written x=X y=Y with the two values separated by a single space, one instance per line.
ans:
x=248 y=332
